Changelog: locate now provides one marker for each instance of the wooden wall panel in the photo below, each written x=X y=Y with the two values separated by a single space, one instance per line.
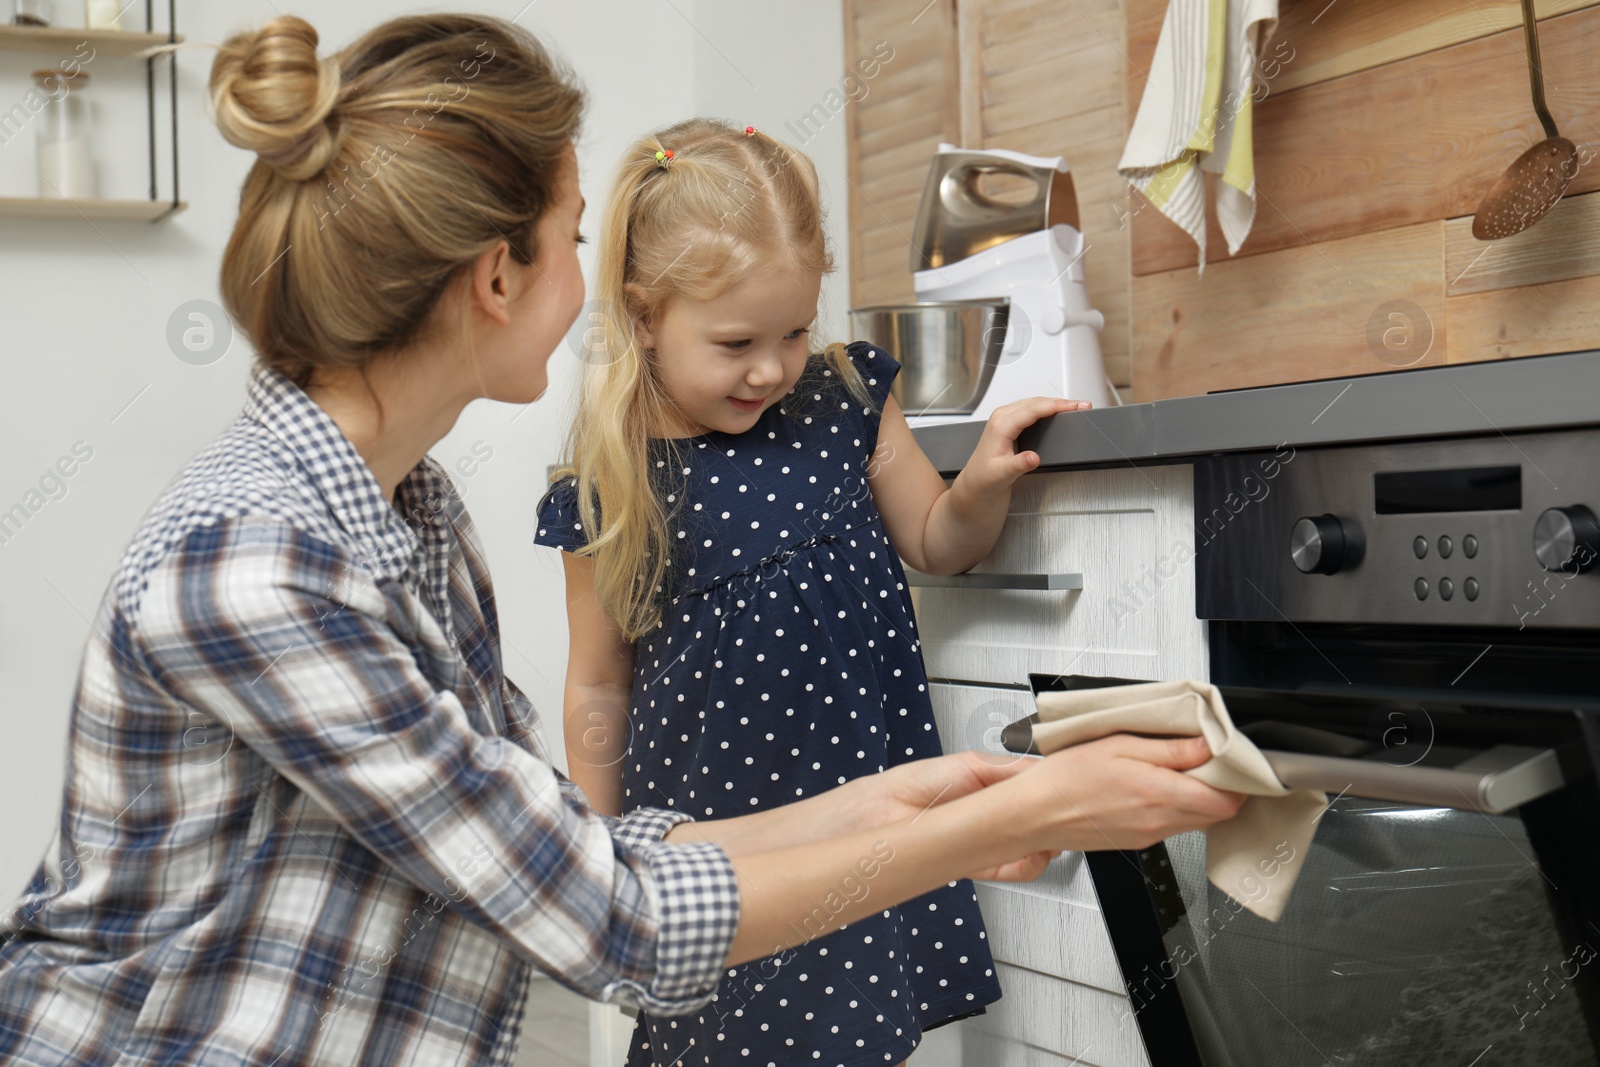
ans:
x=1051 y=84
x=1033 y=76
x=1292 y=315
x=1565 y=244
x=1527 y=321
x=1382 y=127
x=1144 y=18
x=910 y=107
x=1408 y=142
x=1331 y=39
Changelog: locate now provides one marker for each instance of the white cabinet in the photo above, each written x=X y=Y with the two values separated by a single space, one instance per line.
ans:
x=610 y=1030
x=1129 y=533
x=1064 y=1001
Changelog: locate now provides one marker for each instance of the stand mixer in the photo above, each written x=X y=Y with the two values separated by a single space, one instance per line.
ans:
x=1002 y=312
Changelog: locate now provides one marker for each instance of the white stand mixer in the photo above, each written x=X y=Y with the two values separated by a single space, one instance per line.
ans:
x=971 y=245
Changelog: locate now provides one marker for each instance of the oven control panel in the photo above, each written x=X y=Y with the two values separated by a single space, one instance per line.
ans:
x=1486 y=531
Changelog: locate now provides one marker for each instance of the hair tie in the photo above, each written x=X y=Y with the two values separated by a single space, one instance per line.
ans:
x=291 y=152
x=663 y=157
x=749 y=131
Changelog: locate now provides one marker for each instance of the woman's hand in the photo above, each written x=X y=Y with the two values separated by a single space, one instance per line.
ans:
x=906 y=791
x=996 y=463
x=970 y=814
x=1120 y=792
x=898 y=795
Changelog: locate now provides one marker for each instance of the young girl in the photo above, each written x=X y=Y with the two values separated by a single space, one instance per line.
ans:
x=741 y=632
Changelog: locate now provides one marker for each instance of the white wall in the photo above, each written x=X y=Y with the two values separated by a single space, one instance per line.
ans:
x=767 y=70
x=85 y=356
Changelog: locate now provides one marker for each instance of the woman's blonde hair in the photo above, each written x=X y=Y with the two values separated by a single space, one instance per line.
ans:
x=727 y=203
x=384 y=171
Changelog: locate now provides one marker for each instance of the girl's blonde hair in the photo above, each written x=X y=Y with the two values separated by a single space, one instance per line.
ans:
x=384 y=172
x=727 y=203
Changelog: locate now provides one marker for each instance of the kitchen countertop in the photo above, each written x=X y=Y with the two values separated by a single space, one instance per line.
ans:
x=1506 y=396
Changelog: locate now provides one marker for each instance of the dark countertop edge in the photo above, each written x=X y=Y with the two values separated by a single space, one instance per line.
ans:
x=1504 y=396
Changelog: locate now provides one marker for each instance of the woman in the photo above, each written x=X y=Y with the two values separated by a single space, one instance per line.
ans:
x=307 y=819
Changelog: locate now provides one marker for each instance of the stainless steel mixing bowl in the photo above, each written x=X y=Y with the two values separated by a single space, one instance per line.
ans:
x=948 y=350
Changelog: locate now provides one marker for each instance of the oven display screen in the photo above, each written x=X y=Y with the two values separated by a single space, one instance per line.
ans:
x=1461 y=489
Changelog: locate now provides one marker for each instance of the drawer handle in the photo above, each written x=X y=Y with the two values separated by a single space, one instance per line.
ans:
x=994 y=581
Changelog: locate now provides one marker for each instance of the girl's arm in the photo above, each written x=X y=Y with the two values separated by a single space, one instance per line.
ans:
x=809 y=867
x=941 y=529
x=598 y=692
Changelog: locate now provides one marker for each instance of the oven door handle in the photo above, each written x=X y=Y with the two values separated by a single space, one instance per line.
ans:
x=994 y=581
x=1497 y=780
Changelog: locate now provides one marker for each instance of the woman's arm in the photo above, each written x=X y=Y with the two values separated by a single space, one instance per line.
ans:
x=812 y=866
x=598 y=692
x=945 y=530
x=288 y=642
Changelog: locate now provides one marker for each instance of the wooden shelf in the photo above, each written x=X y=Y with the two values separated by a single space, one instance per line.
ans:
x=63 y=39
x=17 y=207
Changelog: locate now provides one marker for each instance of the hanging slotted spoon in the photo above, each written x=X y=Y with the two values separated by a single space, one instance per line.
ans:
x=1531 y=186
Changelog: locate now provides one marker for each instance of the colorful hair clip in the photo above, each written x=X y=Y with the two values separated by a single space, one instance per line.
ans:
x=749 y=131
x=663 y=157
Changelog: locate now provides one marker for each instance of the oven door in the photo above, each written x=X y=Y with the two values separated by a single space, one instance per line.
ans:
x=1433 y=921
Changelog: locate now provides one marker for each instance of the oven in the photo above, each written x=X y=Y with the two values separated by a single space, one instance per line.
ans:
x=1413 y=628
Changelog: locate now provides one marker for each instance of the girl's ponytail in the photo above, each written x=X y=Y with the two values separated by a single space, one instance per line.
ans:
x=622 y=405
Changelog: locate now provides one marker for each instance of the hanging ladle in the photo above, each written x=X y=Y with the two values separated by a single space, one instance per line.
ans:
x=1531 y=186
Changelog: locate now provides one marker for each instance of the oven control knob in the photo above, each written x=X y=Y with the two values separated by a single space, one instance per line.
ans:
x=1317 y=545
x=1567 y=539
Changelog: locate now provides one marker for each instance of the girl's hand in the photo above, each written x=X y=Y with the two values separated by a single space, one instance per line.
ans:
x=996 y=463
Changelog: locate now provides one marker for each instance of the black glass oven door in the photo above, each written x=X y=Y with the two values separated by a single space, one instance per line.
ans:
x=1416 y=934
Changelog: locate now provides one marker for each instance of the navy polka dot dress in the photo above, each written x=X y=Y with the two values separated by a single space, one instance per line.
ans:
x=787 y=663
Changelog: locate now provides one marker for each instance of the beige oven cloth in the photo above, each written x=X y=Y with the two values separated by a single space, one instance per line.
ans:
x=1254 y=857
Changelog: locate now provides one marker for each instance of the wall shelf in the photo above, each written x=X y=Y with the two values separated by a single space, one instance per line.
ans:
x=60 y=40
x=32 y=207
x=63 y=39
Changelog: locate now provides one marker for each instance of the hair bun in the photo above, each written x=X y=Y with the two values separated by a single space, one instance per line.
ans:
x=273 y=95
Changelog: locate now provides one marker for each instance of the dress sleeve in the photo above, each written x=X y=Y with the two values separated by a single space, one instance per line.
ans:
x=877 y=368
x=560 y=525
x=276 y=634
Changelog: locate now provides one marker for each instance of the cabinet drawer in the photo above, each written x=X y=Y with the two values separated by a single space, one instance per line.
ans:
x=1046 y=1022
x=1129 y=534
x=1052 y=925
x=970 y=717
x=1054 y=937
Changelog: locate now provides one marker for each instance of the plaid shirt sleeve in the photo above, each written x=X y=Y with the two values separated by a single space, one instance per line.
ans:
x=326 y=675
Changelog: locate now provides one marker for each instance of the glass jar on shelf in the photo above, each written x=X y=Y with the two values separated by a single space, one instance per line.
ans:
x=103 y=15
x=31 y=12
x=66 y=164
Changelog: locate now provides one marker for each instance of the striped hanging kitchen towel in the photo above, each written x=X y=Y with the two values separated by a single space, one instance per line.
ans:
x=1195 y=115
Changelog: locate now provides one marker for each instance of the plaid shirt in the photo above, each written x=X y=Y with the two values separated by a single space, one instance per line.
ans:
x=307 y=818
